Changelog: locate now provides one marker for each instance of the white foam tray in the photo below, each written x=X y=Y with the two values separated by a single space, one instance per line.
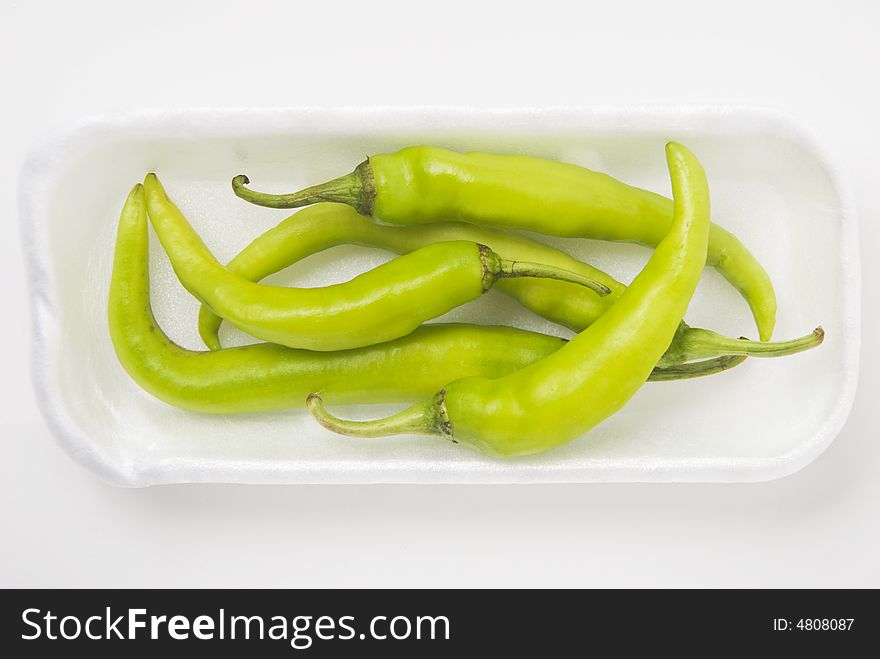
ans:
x=771 y=185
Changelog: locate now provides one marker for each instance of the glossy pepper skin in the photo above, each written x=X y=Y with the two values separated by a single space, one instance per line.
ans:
x=558 y=398
x=383 y=304
x=426 y=184
x=263 y=377
x=325 y=225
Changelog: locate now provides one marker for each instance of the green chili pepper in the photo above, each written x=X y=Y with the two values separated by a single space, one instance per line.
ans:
x=426 y=184
x=266 y=376
x=325 y=225
x=380 y=305
x=556 y=399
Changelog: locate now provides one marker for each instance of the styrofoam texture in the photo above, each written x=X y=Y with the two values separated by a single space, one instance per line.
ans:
x=771 y=184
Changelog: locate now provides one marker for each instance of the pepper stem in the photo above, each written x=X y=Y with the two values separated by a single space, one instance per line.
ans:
x=700 y=343
x=420 y=419
x=355 y=189
x=695 y=369
x=514 y=269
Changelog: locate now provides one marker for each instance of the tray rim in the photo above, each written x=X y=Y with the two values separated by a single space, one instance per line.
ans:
x=41 y=167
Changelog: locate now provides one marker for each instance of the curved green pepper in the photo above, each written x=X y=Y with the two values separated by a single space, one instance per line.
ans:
x=325 y=225
x=383 y=304
x=565 y=394
x=427 y=184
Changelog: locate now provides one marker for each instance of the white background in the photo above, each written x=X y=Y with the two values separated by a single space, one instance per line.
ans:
x=60 y=526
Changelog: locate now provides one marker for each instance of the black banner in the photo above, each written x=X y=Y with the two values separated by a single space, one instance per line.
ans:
x=317 y=623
